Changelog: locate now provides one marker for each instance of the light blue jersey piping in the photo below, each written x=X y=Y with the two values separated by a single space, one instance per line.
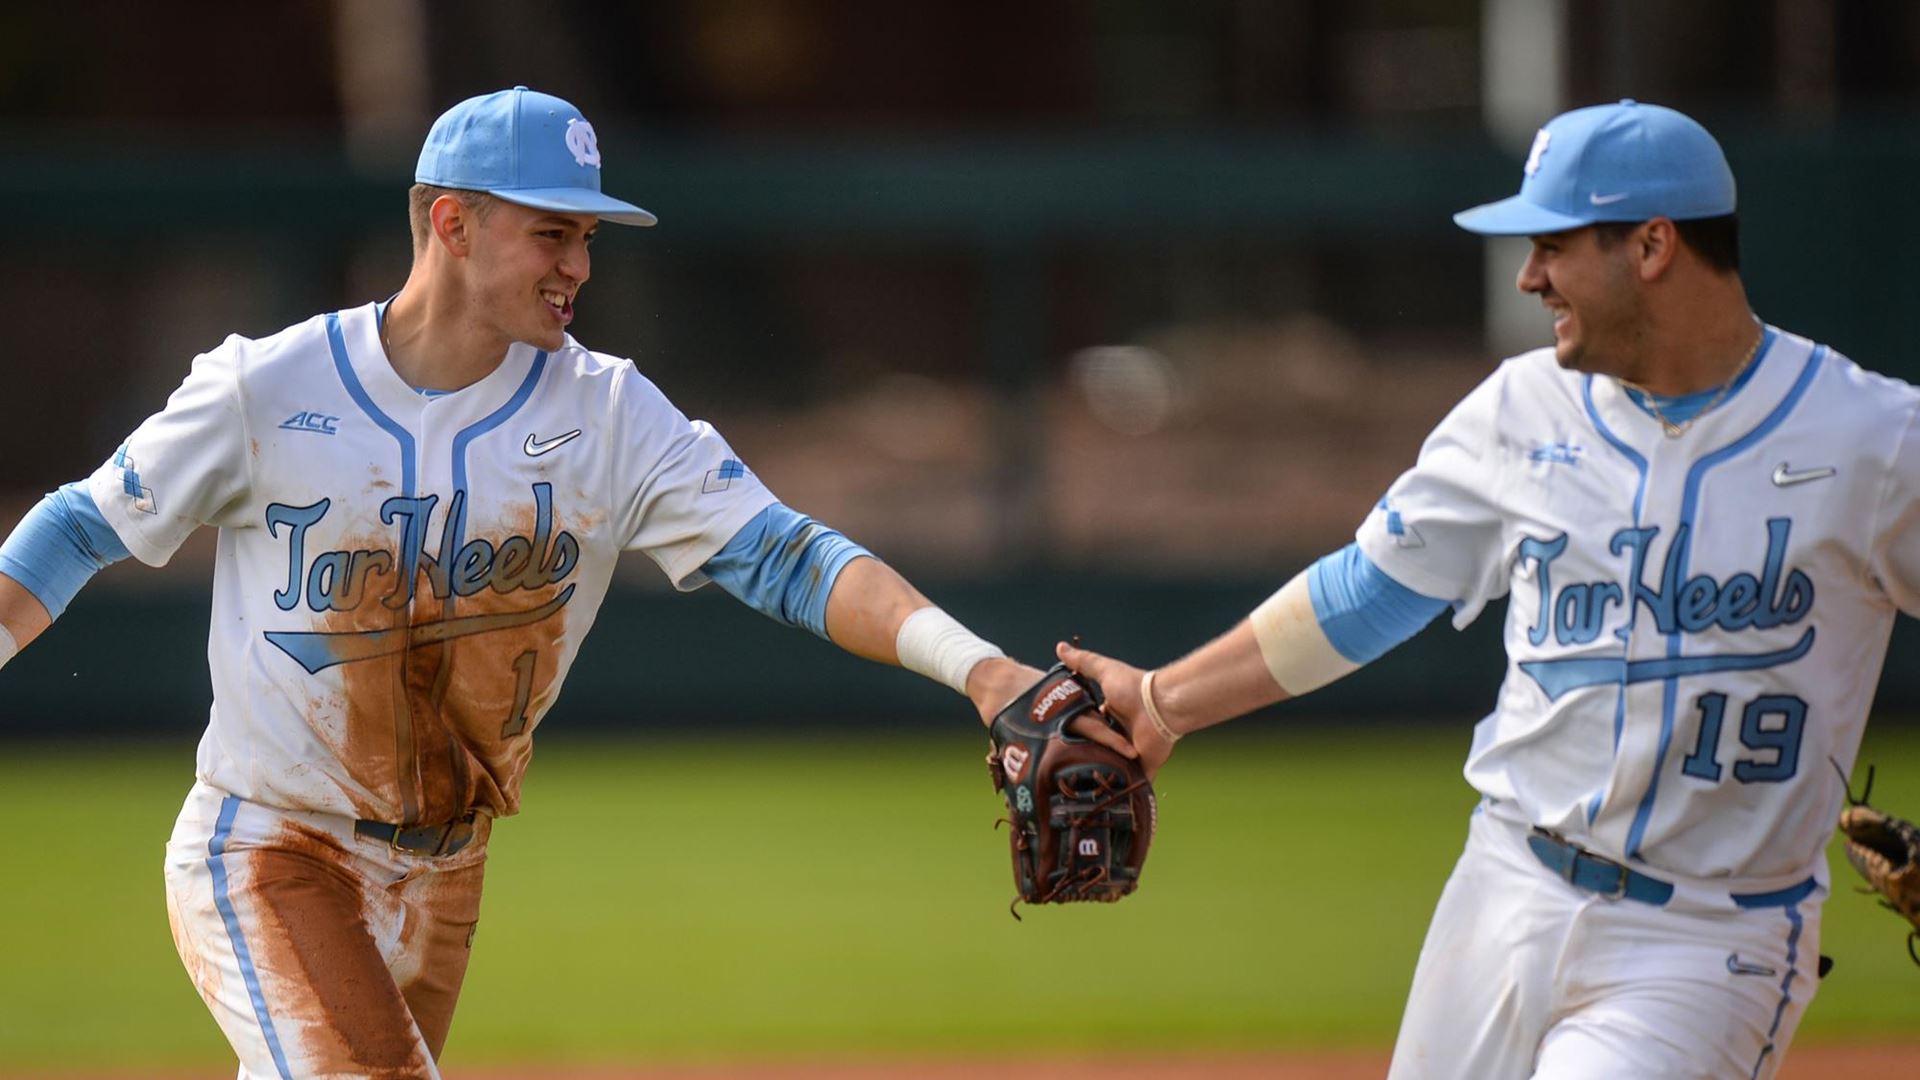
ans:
x=216 y=863
x=1633 y=614
x=1794 y=922
x=1689 y=503
x=337 y=342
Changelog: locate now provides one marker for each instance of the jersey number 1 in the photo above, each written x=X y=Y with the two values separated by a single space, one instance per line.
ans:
x=522 y=691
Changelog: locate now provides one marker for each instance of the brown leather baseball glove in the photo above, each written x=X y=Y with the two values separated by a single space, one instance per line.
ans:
x=1886 y=851
x=1082 y=815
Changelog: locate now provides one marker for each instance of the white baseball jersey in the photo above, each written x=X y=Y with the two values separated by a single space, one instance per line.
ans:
x=1696 y=624
x=402 y=581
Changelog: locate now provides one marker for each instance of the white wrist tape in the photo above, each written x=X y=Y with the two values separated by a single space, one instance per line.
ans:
x=1296 y=650
x=8 y=647
x=932 y=643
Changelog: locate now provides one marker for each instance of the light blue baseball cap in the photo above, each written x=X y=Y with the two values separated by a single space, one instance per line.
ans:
x=525 y=147
x=1626 y=162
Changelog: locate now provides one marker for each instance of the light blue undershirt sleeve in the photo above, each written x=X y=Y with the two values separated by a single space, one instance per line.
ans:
x=61 y=543
x=1362 y=610
x=783 y=564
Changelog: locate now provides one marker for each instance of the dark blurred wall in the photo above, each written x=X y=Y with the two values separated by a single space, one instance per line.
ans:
x=944 y=272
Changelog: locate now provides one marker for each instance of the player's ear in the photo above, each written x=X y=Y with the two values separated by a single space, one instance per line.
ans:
x=452 y=225
x=1655 y=244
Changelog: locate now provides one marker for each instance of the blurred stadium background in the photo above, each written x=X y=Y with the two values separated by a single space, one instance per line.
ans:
x=1095 y=316
x=951 y=276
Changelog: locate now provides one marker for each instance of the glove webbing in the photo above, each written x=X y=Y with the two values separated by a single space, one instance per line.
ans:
x=1094 y=875
x=1866 y=793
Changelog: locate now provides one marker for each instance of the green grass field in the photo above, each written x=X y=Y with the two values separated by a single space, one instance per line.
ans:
x=777 y=899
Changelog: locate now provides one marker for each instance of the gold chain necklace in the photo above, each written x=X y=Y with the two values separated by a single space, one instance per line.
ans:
x=1673 y=430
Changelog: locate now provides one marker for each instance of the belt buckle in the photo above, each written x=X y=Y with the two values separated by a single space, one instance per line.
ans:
x=410 y=839
x=1621 y=876
x=447 y=838
x=1570 y=871
x=393 y=842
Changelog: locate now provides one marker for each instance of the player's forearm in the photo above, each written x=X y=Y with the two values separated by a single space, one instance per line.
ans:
x=868 y=603
x=1330 y=619
x=1223 y=679
x=875 y=613
x=22 y=615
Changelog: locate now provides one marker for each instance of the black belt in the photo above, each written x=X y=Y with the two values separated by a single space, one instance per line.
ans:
x=443 y=839
x=1596 y=873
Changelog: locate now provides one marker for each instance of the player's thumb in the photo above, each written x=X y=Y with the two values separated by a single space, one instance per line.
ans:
x=1085 y=661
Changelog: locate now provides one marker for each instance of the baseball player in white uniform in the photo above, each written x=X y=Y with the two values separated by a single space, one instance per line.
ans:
x=1704 y=526
x=419 y=506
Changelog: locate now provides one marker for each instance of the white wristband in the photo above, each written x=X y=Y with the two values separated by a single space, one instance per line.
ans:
x=1152 y=710
x=1297 y=652
x=932 y=643
x=8 y=648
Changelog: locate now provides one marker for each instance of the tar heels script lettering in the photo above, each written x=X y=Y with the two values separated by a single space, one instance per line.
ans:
x=1575 y=613
x=344 y=580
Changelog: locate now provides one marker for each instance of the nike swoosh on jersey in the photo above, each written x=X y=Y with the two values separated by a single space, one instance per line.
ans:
x=320 y=649
x=1737 y=966
x=535 y=447
x=1559 y=677
x=1598 y=199
x=1784 y=476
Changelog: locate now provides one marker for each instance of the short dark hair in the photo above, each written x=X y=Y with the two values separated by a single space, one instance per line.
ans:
x=1715 y=239
x=420 y=199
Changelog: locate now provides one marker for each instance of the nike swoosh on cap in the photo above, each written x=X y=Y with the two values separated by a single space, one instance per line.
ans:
x=1598 y=199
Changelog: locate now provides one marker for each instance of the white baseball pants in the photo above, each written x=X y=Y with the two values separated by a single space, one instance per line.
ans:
x=321 y=953
x=1523 y=975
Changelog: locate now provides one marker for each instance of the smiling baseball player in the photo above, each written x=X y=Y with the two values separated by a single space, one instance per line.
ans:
x=1705 y=527
x=419 y=505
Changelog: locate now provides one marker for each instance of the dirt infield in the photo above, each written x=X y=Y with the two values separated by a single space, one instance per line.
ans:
x=1806 y=1063
x=1816 y=1062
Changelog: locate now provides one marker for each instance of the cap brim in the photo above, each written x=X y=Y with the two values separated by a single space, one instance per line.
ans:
x=1516 y=216
x=573 y=200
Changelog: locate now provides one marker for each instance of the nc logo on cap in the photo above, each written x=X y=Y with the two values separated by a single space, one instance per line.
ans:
x=584 y=145
x=1540 y=141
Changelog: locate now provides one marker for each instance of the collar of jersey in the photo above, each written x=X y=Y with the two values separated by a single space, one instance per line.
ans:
x=360 y=328
x=380 y=321
x=1681 y=408
x=1754 y=394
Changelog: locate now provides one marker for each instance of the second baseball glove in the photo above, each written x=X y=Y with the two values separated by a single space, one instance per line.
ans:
x=1082 y=814
x=1886 y=851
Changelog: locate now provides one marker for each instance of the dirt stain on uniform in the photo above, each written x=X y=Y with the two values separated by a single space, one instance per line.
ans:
x=372 y=714
x=206 y=977
x=490 y=688
x=436 y=935
x=443 y=727
x=429 y=732
x=350 y=1018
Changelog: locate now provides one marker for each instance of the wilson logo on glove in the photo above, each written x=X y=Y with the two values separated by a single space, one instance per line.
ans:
x=1044 y=706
